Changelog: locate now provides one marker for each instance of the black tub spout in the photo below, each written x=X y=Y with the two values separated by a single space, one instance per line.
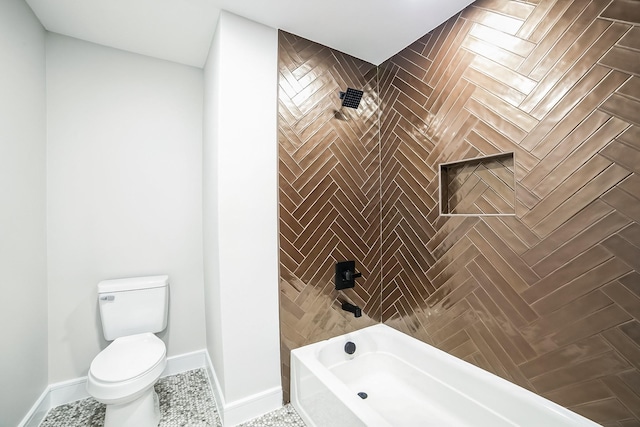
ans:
x=357 y=312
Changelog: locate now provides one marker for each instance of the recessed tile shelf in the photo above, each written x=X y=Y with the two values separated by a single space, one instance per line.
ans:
x=481 y=186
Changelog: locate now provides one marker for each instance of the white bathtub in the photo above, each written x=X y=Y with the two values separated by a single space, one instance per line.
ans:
x=408 y=383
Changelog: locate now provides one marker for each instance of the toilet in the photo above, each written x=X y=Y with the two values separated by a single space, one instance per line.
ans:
x=122 y=375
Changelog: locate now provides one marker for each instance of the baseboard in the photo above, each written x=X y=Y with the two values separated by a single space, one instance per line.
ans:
x=185 y=362
x=69 y=391
x=38 y=411
x=215 y=388
x=242 y=410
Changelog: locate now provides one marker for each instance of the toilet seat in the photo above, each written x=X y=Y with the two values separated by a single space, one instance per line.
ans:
x=128 y=357
x=126 y=368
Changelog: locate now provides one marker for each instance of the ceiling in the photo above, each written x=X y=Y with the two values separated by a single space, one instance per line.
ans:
x=181 y=30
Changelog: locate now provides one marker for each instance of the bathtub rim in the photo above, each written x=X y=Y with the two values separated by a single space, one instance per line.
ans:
x=311 y=353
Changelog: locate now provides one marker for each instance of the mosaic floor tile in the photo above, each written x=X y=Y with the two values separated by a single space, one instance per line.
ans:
x=284 y=417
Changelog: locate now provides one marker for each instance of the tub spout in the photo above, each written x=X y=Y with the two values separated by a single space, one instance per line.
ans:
x=357 y=312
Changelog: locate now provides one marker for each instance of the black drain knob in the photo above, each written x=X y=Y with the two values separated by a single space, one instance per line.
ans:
x=350 y=347
x=363 y=395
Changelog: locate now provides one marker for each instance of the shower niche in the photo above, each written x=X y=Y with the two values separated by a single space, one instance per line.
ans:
x=481 y=186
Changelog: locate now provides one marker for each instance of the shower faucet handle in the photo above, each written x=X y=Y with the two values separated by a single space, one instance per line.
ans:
x=346 y=275
x=350 y=275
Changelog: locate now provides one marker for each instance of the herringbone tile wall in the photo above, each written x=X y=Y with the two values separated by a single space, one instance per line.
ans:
x=329 y=170
x=548 y=298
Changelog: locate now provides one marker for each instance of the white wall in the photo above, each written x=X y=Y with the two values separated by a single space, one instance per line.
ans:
x=124 y=192
x=23 y=300
x=241 y=216
x=210 y=220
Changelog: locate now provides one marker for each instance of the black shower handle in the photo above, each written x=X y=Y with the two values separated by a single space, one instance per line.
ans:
x=350 y=275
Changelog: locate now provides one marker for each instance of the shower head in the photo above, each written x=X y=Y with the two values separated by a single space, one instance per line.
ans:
x=351 y=98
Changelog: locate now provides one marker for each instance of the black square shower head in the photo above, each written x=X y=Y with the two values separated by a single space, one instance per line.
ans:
x=351 y=98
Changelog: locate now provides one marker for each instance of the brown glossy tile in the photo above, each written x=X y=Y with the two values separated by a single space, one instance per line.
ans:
x=516 y=45
x=497 y=54
x=624 y=298
x=631 y=40
x=552 y=43
x=491 y=353
x=513 y=9
x=521 y=276
x=492 y=19
x=501 y=73
x=632 y=233
x=595 y=42
x=626 y=396
x=542 y=23
x=603 y=410
x=456 y=251
x=622 y=107
x=581 y=112
x=576 y=394
x=623 y=202
x=598 y=276
x=631 y=379
x=587 y=194
x=623 y=250
x=487 y=280
x=631 y=88
x=565 y=190
x=604 y=364
x=564 y=45
x=499 y=89
x=592 y=324
x=623 y=345
x=516 y=116
x=455 y=30
x=548 y=327
x=498 y=325
x=623 y=10
x=588 y=147
x=588 y=237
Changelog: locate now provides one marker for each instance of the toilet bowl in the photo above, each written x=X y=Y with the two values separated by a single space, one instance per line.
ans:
x=122 y=377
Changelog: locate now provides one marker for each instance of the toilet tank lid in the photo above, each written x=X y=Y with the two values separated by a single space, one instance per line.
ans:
x=132 y=283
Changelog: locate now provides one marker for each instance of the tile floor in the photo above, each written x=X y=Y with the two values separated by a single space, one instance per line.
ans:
x=283 y=417
x=185 y=401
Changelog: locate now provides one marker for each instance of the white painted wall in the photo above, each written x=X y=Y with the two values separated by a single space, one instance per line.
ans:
x=124 y=192
x=241 y=216
x=211 y=217
x=23 y=291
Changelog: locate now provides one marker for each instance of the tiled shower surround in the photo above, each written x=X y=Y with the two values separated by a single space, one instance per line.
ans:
x=548 y=298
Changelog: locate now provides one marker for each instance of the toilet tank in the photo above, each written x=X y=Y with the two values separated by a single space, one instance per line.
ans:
x=133 y=306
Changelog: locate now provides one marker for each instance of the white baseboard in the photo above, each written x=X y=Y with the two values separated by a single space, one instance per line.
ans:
x=215 y=388
x=242 y=410
x=38 y=411
x=251 y=407
x=69 y=391
x=185 y=362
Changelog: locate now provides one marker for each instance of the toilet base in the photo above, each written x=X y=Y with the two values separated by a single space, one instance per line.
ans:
x=141 y=412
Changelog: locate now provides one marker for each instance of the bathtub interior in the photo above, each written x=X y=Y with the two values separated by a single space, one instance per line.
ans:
x=405 y=395
x=408 y=382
